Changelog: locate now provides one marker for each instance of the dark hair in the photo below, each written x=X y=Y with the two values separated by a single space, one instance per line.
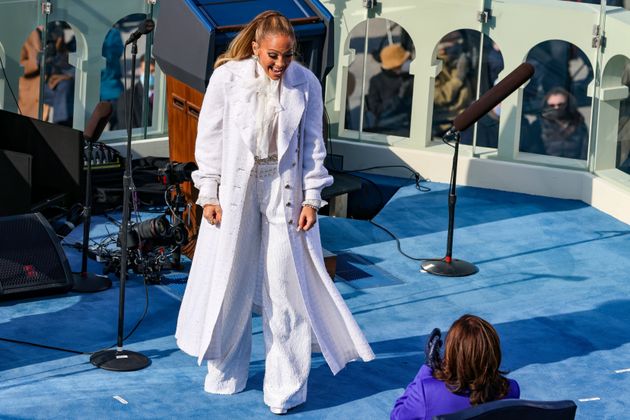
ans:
x=571 y=107
x=143 y=58
x=472 y=359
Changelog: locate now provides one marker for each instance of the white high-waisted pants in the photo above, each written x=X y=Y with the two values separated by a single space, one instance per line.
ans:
x=265 y=246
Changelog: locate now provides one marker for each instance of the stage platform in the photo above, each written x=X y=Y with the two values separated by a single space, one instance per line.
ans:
x=553 y=279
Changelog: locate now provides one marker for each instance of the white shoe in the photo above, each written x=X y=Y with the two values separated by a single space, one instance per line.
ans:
x=278 y=410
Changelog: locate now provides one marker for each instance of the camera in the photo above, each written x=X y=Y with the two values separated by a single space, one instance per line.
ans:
x=156 y=244
x=156 y=231
x=176 y=172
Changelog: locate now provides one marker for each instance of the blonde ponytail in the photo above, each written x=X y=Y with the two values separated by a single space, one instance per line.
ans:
x=266 y=23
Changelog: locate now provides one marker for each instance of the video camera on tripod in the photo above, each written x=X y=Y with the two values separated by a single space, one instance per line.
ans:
x=174 y=173
x=156 y=232
x=155 y=244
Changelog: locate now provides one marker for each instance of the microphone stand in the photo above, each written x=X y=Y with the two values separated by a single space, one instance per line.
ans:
x=84 y=281
x=123 y=360
x=448 y=266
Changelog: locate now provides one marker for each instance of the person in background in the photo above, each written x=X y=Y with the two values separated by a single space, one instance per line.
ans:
x=59 y=86
x=59 y=75
x=111 y=76
x=260 y=152
x=559 y=130
x=469 y=374
x=390 y=93
x=453 y=87
x=28 y=94
x=137 y=91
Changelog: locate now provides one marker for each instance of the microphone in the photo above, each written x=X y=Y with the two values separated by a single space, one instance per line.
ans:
x=144 y=28
x=97 y=122
x=493 y=97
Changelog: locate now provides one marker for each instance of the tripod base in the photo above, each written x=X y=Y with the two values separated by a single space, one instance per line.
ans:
x=90 y=283
x=119 y=361
x=454 y=268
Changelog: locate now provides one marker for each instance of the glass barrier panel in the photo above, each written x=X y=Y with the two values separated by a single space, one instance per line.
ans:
x=59 y=74
x=456 y=83
x=623 y=134
x=17 y=63
x=116 y=84
x=388 y=84
x=354 y=78
x=486 y=130
x=72 y=58
x=556 y=107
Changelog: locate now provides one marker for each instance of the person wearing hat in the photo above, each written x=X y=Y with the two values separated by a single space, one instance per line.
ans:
x=390 y=93
x=453 y=88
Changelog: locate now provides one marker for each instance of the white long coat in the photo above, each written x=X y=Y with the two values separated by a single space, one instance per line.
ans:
x=226 y=137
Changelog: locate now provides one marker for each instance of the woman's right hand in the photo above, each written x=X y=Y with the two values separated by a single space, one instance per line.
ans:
x=212 y=213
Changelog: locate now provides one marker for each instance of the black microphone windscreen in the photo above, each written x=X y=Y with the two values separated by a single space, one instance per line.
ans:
x=494 y=96
x=146 y=26
x=98 y=120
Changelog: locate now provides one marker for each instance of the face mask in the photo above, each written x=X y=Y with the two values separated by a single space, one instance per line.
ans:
x=151 y=81
x=454 y=51
x=554 y=113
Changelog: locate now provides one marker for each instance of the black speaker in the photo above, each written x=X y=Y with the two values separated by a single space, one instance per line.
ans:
x=15 y=171
x=31 y=258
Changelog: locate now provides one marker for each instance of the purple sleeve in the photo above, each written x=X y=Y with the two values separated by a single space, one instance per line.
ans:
x=411 y=404
x=514 y=391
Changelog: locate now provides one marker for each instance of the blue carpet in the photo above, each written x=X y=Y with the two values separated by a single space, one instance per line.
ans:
x=553 y=280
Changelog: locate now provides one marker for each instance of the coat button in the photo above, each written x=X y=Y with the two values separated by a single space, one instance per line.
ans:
x=287 y=186
x=290 y=222
x=293 y=164
x=288 y=204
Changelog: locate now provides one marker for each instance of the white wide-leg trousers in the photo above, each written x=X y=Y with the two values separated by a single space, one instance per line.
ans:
x=265 y=248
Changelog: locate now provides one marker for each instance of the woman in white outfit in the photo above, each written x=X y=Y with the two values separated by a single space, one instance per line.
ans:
x=260 y=154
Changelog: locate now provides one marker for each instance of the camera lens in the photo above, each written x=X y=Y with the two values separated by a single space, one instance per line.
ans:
x=152 y=228
x=182 y=171
x=179 y=234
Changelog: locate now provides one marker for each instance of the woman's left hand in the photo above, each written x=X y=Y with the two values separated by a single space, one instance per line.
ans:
x=308 y=218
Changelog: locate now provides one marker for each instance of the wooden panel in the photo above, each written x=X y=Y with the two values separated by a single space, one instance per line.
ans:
x=177 y=120
x=184 y=105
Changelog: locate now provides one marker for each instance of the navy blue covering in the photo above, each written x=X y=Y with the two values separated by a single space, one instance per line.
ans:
x=209 y=26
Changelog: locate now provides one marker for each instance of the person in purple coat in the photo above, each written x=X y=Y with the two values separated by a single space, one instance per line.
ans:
x=469 y=374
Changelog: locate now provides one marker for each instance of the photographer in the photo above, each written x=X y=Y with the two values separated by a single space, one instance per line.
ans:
x=453 y=85
x=390 y=93
x=469 y=374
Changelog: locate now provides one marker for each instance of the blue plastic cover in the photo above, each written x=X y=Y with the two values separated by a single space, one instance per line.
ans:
x=208 y=26
x=222 y=13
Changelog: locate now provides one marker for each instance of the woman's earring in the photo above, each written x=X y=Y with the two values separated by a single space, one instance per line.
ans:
x=255 y=57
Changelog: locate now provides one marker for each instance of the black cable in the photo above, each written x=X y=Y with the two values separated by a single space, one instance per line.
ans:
x=416 y=175
x=329 y=151
x=390 y=233
x=398 y=244
x=146 y=309
x=73 y=219
x=44 y=346
x=133 y=330
x=446 y=142
x=6 y=78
